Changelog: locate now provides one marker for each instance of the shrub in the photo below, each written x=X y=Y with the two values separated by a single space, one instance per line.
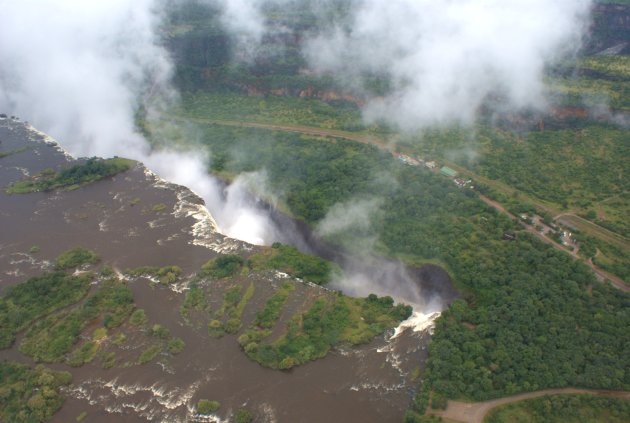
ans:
x=243 y=416
x=233 y=325
x=176 y=345
x=205 y=406
x=215 y=329
x=138 y=318
x=74 y=258
x=159 y=331
x=83 y=354
x=223 y=266
x=149 y=354
x=108 y=360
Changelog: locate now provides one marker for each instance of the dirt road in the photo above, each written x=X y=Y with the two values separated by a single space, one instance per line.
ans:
x=476 y=411
x=381 y=143
x=601 y=274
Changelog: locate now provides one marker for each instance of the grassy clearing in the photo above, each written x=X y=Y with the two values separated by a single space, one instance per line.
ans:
x=272 y=109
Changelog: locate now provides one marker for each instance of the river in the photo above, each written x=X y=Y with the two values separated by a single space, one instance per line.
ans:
x=116 y=217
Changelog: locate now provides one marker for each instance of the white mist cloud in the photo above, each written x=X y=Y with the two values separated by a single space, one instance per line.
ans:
x=79 y=70
x=246 y=22
x=351 y=215
x=241 y=217
x=76 y=69
x=445 y=57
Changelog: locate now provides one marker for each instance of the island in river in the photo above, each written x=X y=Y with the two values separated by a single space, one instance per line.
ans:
x=169 y=312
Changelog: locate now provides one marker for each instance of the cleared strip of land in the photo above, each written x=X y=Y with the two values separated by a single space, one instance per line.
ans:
x=581 y=224
x=474 y=412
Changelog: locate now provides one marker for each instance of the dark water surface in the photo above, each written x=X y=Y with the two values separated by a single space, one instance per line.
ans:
x=116 y=218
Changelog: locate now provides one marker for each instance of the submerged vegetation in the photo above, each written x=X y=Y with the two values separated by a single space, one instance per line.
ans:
x=92 y=170
x=52 y=338
x=165 y=275
x=328 y=322
x=22 y=304
x=74 y=258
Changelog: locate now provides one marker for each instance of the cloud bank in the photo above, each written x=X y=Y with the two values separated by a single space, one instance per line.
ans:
x=443 y=58
x=79 y=71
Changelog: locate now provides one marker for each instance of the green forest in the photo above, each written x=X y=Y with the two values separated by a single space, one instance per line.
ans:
x=563 y=409
x=531 y=317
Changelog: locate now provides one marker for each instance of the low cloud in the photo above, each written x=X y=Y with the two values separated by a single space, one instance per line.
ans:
x=80 y=71
x=445 y=58
x=349 y=216
x=442 y=58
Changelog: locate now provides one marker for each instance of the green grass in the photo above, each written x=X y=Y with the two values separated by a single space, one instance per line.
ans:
x=610 y=66
x=247 y=296
x=271 y=109
x=206 y=406
x=577 y=92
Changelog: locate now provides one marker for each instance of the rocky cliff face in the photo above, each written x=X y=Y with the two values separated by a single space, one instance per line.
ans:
x=610 y=29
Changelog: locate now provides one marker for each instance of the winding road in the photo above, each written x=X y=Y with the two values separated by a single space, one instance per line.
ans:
x=475 y=412
x=385 y=145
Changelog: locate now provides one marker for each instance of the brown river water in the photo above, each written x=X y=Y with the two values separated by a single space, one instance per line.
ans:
x=117 y=219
